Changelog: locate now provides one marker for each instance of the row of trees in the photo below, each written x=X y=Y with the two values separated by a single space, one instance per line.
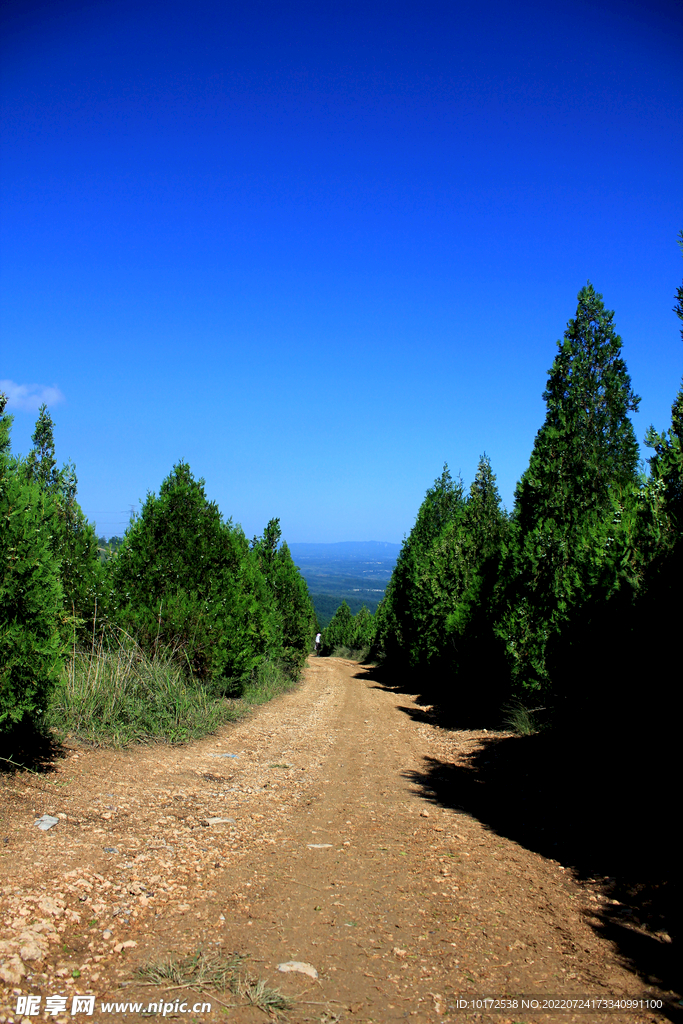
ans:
x=572 y=601
x=183 y=578
x=349 y=633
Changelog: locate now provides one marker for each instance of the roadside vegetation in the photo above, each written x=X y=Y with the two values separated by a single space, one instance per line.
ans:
x=562 y=614
x=165 y=633
x=348 y=635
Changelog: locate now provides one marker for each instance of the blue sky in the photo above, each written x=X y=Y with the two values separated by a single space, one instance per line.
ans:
x=317 y=250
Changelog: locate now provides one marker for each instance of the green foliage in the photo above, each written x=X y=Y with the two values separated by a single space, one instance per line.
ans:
x=628 y=615
x=188 y=580
x=295 y=613
x=73 y=537
x=436 y=615
x=184 y=579
x=413 y=610
x=582 y=468
x=30 y=591
x=339 y=631
x=325 y=605
x=495 y=615
x=116 y=694
x=354 y=635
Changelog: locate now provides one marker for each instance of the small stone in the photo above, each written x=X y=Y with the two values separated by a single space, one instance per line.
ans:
x=107 y=934
x=12 y=971
x=31 y=950
x=424 y=814
x=299 y=967
x=46 y=822
x=128 y=944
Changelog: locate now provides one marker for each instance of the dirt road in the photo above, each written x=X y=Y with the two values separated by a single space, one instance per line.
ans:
x=300 y=834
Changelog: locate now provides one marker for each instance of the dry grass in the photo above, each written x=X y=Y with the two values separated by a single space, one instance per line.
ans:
x=216 y=970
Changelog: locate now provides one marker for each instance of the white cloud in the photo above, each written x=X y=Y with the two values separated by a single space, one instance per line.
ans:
x=30 y=397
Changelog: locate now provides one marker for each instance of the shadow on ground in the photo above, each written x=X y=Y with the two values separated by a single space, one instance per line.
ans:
x=606 y=807
x=26 y=749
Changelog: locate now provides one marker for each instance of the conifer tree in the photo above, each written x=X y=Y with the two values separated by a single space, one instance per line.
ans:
x=74 y=541
x=31 y=654
x=295 y=619
x=184 y=578
x=339 y=632
x=584 y=458
x=406 y=620
x=666 y=465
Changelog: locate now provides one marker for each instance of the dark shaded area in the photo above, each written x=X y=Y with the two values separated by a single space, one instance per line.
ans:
x=605 y=804
x=25 y=747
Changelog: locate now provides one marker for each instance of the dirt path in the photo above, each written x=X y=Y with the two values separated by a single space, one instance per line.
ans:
x=330 y=853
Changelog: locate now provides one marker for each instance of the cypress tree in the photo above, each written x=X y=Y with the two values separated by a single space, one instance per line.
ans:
x=184 y=578
x=584 y=460
x=73 y=539
x=31 y=654
x=295 y=617
x=408 y=628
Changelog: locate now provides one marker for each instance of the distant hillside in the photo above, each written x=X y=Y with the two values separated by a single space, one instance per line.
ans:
x=353 y=571
x=347 y=549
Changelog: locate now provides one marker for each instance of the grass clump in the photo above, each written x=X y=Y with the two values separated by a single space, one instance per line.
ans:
x=521 y=719
x=269 y=680
x=116 y=694
x=215 y=970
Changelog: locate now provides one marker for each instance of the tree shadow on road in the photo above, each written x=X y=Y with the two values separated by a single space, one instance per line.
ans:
x=575 y=805
x=23 y=749
x=604 y=805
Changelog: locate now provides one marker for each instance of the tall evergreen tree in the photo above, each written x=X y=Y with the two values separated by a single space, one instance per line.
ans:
x=31 y=654
x=295 y=613
x=584 y=458
x=408 y=630
x=73 y=539
x=184 y=578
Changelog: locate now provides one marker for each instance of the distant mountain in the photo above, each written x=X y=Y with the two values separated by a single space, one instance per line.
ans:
x=346 y=550
x=353 y=571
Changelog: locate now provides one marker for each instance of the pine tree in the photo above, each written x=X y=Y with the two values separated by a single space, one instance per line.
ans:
x=41 y=463
x=666 y=465
x=339 y=632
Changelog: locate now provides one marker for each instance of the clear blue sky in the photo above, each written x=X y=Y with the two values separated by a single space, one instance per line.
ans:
x=319 y=249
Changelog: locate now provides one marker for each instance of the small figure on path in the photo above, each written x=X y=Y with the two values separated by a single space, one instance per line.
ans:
x=318 y=638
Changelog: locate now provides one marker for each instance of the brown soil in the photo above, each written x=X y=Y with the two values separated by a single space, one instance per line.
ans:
x=338 y=856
